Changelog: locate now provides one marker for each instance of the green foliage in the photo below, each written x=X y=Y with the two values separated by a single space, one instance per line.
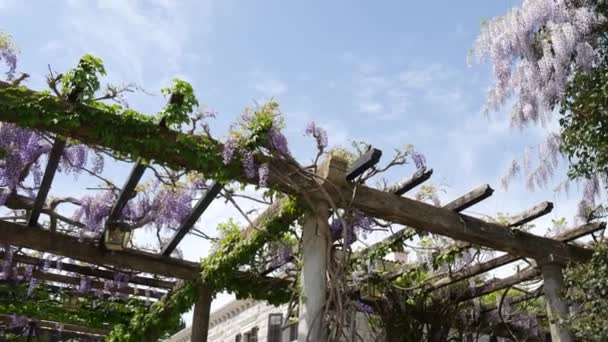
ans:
x=584 y=123
x=176 y=112
x=218 y=273
x=83 y=81
x=588 y=287
x=50 y=305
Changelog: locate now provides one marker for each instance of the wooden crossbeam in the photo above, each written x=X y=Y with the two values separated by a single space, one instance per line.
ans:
x=461 y=203
x=95 y=284
x=90 y=271
x=363 y=163
x=460 y=227
x=127 y=190
x=407 y=184
x=474 y=270
x=69 y=246
x=499 y=284
x=470 y=199
x=47 y=180
x=531 y=214
x=178 y=148
x=67 y=327
x=189 y=222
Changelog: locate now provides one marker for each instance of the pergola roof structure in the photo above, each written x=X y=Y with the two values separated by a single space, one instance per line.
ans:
x=336 y=181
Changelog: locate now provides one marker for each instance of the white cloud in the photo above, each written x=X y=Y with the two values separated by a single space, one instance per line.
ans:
x=138 y=40
x=270 y=86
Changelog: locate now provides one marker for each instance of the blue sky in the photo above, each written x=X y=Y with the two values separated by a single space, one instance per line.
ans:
x=387 y=72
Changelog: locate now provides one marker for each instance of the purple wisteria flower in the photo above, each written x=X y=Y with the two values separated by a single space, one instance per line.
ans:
x=85 y=285
x=249 y=165
x=8 y=53
x=32 y=286
x=263 y=174
x=364 y=307
x=317 y=132
x=419 y=160
x=229 y=150
x=278 y=141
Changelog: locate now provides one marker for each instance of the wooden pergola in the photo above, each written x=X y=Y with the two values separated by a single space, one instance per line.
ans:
x=335 y=185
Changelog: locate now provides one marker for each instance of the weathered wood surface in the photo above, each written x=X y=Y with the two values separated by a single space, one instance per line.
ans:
x=95 y=284
x=200 y=316
x=69 y=246
x=458 y=226
x=90 y=271
x=282 y=174
x=363 y=163
x=407 y=184
x=47 y=180
x=461 y=203
x=474 y=270
x=53 y=325
x=189 y=222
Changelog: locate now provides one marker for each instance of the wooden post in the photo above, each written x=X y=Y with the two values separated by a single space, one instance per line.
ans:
x=316 y=240
x=200 y=318
x=315 y=244
x=557 y=309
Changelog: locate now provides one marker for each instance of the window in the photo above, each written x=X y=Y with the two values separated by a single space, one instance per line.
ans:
x=246 y=337
x=237 y=338
x=274 y=327
x=254 y=335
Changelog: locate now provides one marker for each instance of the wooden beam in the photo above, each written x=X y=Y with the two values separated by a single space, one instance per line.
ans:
x=178 y=148
x=461 y=203
x=126 y=193
x=95 y=284
x=90 y=271
x=470 y=199
x=498 y=284
x=408 y=183
x=47 y=180
x=461 y=227
x=363 y=163
x=474 y=270
x=531 y=214
x=69 y=246
x=53 y=325
x=189 y=222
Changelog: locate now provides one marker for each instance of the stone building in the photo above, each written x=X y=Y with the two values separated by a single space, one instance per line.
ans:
x=256 y=321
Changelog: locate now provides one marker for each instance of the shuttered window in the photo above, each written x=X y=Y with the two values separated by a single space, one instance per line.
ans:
x=274 y=327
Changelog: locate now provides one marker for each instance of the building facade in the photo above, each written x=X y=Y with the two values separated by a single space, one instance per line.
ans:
x=256 y=321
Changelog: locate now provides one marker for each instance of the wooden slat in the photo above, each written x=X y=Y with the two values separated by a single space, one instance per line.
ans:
x=95 y=284
x=177 y=151
x=189 y=222
x=470 y=199
x=69 y=246
x=127 y=190
x=499 y=284
x=460 y=227
x=531 y=214
x=47 y=180
x=407 y=184
x=363 y=163
x=60 y=244
x=474 y=270
x=461 y=203
x=90 y=271
x=68 y=327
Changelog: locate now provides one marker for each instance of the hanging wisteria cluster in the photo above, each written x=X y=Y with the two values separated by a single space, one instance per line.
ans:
x=535 y=49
